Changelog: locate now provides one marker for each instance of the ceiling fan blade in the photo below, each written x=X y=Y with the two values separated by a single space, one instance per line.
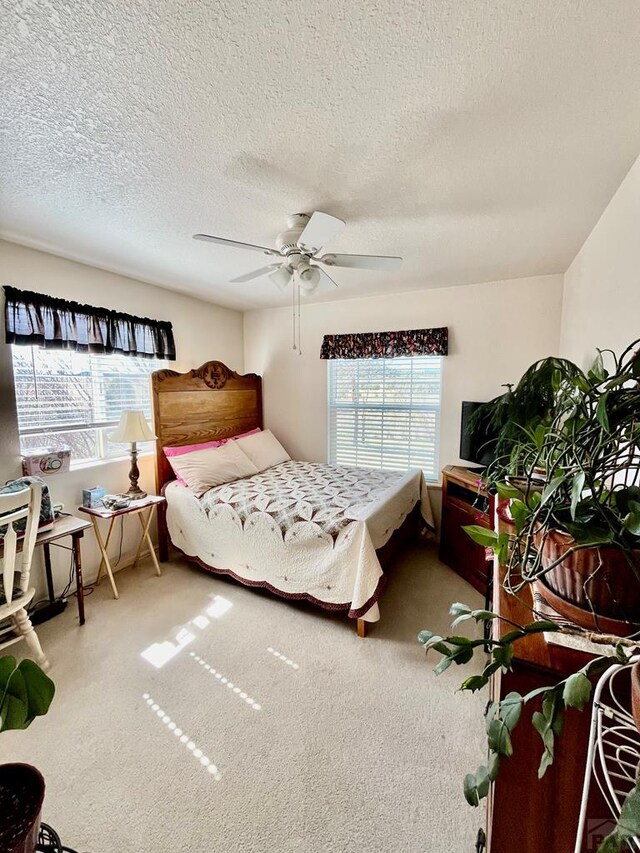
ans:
x=235 y=243
x=254 y=274
x=319 y=230
x=325 y=278
x=281 y=276
x=362 y=262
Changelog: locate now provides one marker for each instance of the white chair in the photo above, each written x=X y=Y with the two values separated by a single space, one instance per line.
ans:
x=16 y=507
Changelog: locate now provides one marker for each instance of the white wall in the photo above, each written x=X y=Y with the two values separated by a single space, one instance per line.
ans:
x=202 y=331
x=495 y=331
x=601 y=305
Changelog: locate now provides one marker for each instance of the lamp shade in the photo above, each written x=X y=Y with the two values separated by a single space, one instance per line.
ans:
x=132 y=427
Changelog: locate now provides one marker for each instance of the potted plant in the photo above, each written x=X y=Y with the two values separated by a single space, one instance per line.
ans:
x=25 y=693
x=578 y=539
x=519 y=416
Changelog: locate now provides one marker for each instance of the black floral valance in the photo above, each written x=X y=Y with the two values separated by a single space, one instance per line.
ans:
x=387 y=344
x=34 y=319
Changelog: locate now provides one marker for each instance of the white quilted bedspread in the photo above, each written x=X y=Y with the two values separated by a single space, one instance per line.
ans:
x=301 y=529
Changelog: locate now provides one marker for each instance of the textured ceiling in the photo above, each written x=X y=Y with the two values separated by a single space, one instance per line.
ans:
x=479 y=139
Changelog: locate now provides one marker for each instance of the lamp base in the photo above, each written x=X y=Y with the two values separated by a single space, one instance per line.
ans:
x=136 y=494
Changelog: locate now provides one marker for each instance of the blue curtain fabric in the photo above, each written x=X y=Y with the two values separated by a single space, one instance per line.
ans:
x=387 y=344
x=35 y=319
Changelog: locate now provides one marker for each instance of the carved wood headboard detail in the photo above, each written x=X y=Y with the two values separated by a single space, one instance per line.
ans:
x=205 y=404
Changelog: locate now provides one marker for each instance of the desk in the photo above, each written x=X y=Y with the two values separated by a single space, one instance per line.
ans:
x=65 y=525
x=151 y=502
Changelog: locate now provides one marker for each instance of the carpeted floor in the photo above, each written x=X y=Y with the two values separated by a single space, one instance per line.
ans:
x=273 y=728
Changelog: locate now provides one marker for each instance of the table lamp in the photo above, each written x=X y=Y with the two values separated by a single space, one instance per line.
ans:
x=133 y=428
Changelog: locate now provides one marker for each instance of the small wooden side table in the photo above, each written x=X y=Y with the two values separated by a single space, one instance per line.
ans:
x=64 y=525
x=150 y=503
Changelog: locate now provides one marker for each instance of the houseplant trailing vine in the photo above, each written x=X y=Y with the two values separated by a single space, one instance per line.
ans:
x=571 y=478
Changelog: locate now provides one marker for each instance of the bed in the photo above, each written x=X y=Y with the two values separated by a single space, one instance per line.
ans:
x=320 y=533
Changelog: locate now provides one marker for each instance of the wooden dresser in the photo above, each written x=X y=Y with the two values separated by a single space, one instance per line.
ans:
x=464 y=501
x=525 y=814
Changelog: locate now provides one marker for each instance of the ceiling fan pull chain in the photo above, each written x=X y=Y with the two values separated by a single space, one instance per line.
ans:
x=299 y=331
x=293 y=312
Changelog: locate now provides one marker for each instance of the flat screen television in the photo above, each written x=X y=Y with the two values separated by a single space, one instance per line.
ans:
x=477 y=439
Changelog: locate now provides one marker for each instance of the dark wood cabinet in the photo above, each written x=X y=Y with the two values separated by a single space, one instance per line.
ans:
x=464 y=501
x=524 y=813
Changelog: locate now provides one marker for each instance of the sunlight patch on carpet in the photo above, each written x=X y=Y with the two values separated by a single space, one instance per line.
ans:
x=183 y=738
x=222 y=679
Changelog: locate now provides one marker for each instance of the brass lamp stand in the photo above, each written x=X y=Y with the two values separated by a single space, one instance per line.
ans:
x=133 y=428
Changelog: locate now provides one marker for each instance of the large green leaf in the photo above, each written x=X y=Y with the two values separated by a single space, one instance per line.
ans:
x=499 y=738
x=484 y=615
x=14 y=709
x=470 y=789
x=40 y=688
x=507 y=491
x=629 y=821
x=433 y=641
x=519 y=512
x=577 y=691
x=474 y=682
x=611 y=844
x=628 y=824
x=577 y=488
x=588 y=533
x=625 y=497
x=458 y=609
x=481 y=535
x=542 y=626
x=25 y=693
x=510 y=710
x=601 y=412
x=504 y=655
x=552 y=487
x=597 y=371
x=632 y=520
x=7 y=667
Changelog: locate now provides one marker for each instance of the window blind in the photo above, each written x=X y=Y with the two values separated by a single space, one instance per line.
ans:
x=75 y=398
x=385 y=413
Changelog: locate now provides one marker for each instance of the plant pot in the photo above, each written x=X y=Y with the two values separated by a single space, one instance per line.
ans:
x=21 y=797
x=598 y=584
x=526 y=485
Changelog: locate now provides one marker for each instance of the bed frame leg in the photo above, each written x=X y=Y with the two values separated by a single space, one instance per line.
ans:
x=163 y=534
x=362 y=628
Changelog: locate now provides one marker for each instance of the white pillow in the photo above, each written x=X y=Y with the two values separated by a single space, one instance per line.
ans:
x=203 y=469
x=263 y=449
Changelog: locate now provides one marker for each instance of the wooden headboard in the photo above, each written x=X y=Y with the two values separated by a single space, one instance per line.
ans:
x=205 y=404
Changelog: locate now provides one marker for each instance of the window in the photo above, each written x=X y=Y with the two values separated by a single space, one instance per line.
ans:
x=385 y=412
x=75 y=398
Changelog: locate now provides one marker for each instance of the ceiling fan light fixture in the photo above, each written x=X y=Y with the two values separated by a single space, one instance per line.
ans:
x=281 y=276
x=309 y=278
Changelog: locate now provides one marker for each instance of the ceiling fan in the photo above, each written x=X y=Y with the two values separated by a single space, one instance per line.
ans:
x=299 y=248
